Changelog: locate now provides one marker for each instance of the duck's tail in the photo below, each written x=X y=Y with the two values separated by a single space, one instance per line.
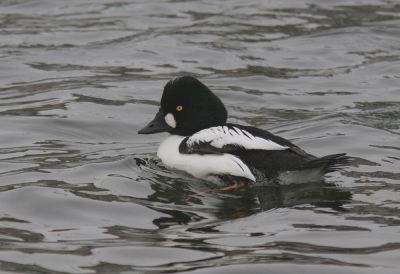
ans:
x=329 y=163
x=314 y=170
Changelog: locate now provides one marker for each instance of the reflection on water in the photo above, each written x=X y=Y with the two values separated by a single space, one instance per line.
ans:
x=82 y=192
x=246 y=201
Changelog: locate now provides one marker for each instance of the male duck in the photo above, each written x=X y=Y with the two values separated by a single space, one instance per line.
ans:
x=203 y=144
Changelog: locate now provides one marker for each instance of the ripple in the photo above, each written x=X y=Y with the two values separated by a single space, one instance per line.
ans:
x=82 y=192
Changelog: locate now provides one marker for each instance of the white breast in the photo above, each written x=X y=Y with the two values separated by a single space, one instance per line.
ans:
x=201 y=166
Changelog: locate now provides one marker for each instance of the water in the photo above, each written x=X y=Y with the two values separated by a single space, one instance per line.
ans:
x=82 y=192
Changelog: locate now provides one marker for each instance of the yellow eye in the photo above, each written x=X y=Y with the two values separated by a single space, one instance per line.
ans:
x=179 y=108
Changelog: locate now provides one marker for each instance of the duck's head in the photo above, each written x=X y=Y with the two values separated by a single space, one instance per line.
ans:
x=187 y=106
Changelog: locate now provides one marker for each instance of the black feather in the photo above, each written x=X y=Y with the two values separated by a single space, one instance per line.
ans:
x=270 y=162
x=257 y=132
x=329 y=163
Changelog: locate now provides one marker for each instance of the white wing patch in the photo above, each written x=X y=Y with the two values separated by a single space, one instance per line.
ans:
x=222 y=135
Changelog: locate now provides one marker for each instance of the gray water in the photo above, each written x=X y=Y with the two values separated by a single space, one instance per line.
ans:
x=82 y=192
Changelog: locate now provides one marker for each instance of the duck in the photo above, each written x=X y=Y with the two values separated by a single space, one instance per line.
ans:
x=202 y=143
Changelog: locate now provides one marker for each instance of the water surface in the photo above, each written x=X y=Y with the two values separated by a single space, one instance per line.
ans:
x=82 y=192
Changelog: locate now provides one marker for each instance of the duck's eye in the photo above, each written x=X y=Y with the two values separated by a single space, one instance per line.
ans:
x=179 y=108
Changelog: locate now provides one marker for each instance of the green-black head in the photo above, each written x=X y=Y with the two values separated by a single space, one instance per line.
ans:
x=187 y=106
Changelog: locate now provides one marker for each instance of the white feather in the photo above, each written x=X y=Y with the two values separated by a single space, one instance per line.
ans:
x=221 y=136
x=201 y=166
x=170 y=120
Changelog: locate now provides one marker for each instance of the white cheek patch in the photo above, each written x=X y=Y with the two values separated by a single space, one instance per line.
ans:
x=170 y=120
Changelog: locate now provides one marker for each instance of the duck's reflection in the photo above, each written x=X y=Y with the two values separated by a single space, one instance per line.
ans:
x=245 y=201
x=263 y=198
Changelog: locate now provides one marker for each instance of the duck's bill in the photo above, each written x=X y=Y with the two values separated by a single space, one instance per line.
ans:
x=157 y=125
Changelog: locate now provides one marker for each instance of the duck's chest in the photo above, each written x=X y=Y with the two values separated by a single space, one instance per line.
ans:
x=201 y=166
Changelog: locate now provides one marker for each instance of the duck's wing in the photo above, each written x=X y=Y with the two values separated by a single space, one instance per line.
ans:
x=230 y=138
x=259 y=149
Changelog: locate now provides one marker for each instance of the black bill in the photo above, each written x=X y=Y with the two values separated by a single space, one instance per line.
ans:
x=157 y=125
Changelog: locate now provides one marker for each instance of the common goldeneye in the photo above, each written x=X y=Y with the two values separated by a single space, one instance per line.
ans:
x=203 y=144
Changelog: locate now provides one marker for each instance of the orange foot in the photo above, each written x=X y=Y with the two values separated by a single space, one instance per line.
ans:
x=234 y=186
x=199 y=193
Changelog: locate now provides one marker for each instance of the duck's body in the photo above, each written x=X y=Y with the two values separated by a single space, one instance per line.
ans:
x=204 y=145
